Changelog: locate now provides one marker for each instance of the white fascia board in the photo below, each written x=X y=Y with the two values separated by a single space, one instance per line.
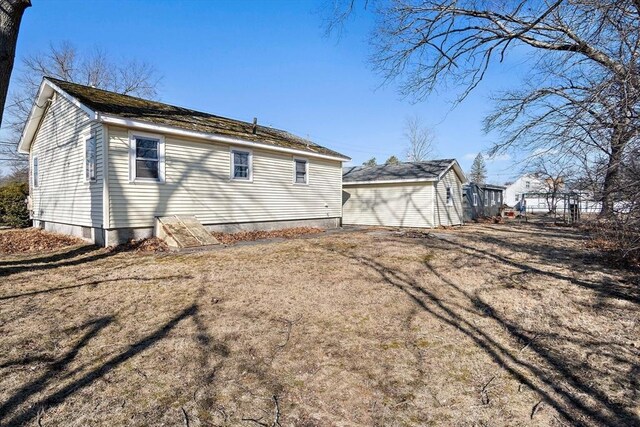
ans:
x=457 y=169
x=46 y=90
x=389 y=181
x=138 y=124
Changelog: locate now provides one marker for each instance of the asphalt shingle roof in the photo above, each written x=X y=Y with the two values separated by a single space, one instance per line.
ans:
x=164 y=114
x=404 y=171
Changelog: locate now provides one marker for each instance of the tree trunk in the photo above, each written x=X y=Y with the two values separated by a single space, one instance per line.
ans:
x=611 y=176
x=11 y=12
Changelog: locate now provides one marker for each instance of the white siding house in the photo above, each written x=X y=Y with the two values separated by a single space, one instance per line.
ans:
x=420 y=194
x=104 y=166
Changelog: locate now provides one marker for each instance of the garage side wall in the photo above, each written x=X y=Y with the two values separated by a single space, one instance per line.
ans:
x=452 y=213
x=393 y=205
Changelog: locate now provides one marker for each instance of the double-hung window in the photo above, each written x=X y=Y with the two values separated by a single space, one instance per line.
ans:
x=486 y=198
x=147 y=157
x=34 y=173
x=241 y=165
x=90 y=161
x=301 y=171
x=475 y=199
x=449 y=197
x=493 y=198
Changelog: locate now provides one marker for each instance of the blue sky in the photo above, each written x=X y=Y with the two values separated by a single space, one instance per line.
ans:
x=270 y=59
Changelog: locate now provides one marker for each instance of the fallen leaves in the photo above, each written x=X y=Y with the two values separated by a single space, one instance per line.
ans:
x=241 y=236
x=27 y=240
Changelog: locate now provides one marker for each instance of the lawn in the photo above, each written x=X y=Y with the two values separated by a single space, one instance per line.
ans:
x=484 y=325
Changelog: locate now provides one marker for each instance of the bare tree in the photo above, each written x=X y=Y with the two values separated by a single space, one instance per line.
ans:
x=554 y=174
x=478 y=172
x=64 y=61
x=11 y=12
x=585 y=81
x=421 y=140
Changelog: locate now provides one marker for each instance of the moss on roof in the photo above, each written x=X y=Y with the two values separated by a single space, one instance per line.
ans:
x=146 y=110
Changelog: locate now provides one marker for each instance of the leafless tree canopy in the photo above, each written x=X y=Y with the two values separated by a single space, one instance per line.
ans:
x=66 y=62
x=583 y=92
x=420 y=140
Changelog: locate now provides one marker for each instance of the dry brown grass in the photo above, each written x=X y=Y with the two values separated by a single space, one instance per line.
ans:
x=488 y=325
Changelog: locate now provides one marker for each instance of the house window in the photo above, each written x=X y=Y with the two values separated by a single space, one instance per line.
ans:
x=301 y=171
x=147 y=158
x=527 y=184
x=493 y=198
x=517 y=198
x=241 y=165
x=486 y=198
x=475 y=199
x=449 y=196
x=90 y=158
x=34 y=172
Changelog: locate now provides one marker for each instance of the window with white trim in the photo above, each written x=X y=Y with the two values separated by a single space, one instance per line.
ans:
x=34 y=172
x=517 y=198
x=493 y=198
x=90 y=161
x=241 y=165
x=449 y=196
x=527 y=184
x=147 y=157
x=475 y=199
x=486 y=198
x=301 y=171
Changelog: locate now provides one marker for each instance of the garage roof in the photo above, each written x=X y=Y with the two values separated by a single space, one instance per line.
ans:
x=431 y=170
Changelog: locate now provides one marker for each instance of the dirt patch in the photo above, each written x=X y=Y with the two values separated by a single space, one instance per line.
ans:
x=29 y=240
x=242 y=236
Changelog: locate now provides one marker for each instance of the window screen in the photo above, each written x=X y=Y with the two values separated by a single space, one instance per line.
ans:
x=241 y=166
x=301 y=171
x=147 y=158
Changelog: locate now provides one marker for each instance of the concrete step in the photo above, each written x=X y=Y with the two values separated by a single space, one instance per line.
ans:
x=184 y=231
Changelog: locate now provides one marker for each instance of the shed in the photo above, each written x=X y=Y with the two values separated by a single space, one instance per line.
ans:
x=482 y=200
x=413 y=194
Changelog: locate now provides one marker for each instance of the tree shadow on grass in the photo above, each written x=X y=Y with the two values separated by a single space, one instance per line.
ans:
x=92 y=284
x=76 y=256
x=59 y=396
x=549 y=381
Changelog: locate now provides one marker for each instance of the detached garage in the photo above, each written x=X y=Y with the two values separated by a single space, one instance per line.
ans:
x=417 y=194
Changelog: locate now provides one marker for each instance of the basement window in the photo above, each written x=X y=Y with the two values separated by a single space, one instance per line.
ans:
x=301 y=171
x=241 y=165
x=147 y=158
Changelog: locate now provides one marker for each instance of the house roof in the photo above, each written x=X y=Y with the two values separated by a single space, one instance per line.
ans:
x=488 y=186
x=132 y=109
x=431 y=170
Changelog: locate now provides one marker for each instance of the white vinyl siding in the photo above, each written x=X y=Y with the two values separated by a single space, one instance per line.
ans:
x=449 y=214
x=393 y=205
x=63 y=195
x=198 y=182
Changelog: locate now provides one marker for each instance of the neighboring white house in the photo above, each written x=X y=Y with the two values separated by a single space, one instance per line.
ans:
x=420 y=194
x=105 y=165
x=537 y=194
